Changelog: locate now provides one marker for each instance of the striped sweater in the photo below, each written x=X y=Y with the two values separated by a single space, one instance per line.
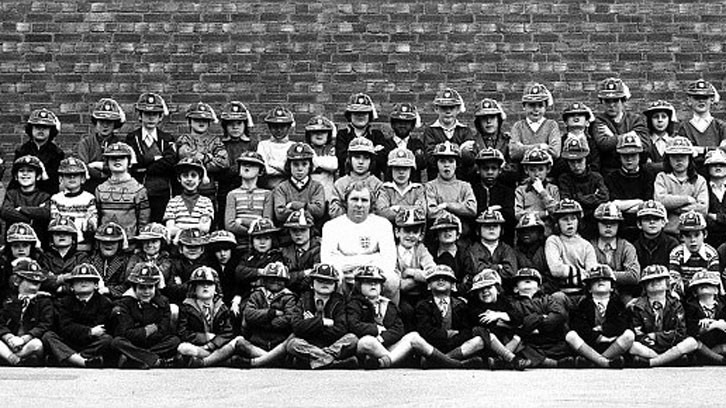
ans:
x=80 y=207
x=245 y=206
x=124 y=202
x=183 y=218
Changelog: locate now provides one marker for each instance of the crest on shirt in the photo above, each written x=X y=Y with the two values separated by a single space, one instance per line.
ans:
x=365 y=242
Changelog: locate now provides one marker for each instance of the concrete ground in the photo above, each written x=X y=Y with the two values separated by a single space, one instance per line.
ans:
x=664 y=387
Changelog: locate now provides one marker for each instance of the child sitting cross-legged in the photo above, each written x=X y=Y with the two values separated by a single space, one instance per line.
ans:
x=706 y=316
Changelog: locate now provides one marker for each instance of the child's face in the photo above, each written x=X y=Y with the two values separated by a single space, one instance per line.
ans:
x=360 y=163
x=488 y=294
x=534 y=110
x=447 y=167
x=401 y=175
x=84 y=286
x=370 y=289
x=440 y=285
x=659 y=121
x=236 y=128
x=402 y=128
x=613 y=106
x=223 y=255
x=299 y=169
x=529 y=236
x=607 y=229
x=199 y=126
x=205 y=290
x=679 y=162
x=150 y=120
x=600 y=287
x=145 y=292
x=717 y=170
x=118 y=164
x=448 y=114
x=656 y=286
x=190 y=180
x=408 y=237
x=577 y=121
x=300 y=236
x=62 y=240
x=693 y=240
x=151 y=247
x=359 y=120
x=527 y=287
x=279 y=130
x=109 y=248
x=274 y=285
x=700 y=103
x=19 y=249
x=262 y=243
x=323 y=286
x=650 y=225
x=105 y=127
x=489 y=123
x=568 y=225
x=249 y=171
x=577 y=166
x=706 y=290
x=26 y=176
x=536 y=171
x=28 y=287
x=72 y=182
x=630 y=161
x=489 y=171
x=41 y=134
x=319 y=137
x=192 y=252
x=490 y=232
x=448 y=236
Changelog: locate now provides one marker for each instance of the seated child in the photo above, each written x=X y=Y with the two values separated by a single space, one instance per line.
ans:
x=611 y=250
x=535 y=131
x=110 y=259
x=490 y=136
x=716 y=217
x=448 y=104
x=42 y=128
x=653 y=245
x=62 y=256
x=190 y=209
x=693 y=254
x=20 y=242
x=74 y=203
x=662 y=121
x=107 y=116
x=449 y=250
x=320 y=135
x=659 y=323
x=25 y=316
x=404 y=119
x=81 y=339
x=535 y=194
x=703 y=130
x=706 y=316
x=320 y=327
x=303 y=253
x=192 y=255
x=27 y=203
x=400 y=193
x=300 y=191
x=224 y=257
x=577 y=118
x=268 y=319
x=600 y=333
x=151 y=243
x=489 y=252
x=359 y=113
x=358 y=166
x=492 y=192
x=247 y=202
x=530 y=249
x=142 y=323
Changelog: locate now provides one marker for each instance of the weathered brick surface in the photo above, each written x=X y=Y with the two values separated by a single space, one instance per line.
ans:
x=311 y=55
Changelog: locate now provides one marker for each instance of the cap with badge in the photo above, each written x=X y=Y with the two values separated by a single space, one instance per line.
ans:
x=152 y=231
x=490 y=217
x=447 y=149
x=578 y=108
x=300 y=151
x=152 y=102
x=527 y=273
x=488 y=154
x=702 y=87
x=401 y=157
x=652 y=272
x=112 y=232
x=679 y=145
x=410 y=217
x=575 y=148
x=22 y=232
x=446 y=220
x=706 y=277
x=537 y=156
x=598 y=272
x=109 y=109
x=449 y=97
x=407 y=112
x=221 y=239
x=275 y=270
x=361 y=145
x=192 y=237
x=715 y=157
x=43 y=117
x=440 y=271
x=300 y=219
x=202 y=111
x=325 y=272
x=530 y=219
x=691 y=221
x=280 y=115
x=62 y=224
x=145 y=273
x=629 y=143
x=262 y=226
x=567 y=206
x=204 y=274
x=538 y=93
x=119 y=149
x=608 y=212
x=652 y=208
x=84 y=271
x=490 y=107
x=72 y=165
x=33 y=162
x=369 y=273
x=613 y=88
x=28 y=269
x=661 y=106
x=487 y=277
x=236 y=111
x=361 y=103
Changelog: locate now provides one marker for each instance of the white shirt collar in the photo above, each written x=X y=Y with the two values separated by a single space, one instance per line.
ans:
x=439 y=125
x=701 y=252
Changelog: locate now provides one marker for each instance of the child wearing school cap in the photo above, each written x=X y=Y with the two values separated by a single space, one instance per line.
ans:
x=448 y=105
x=703 y=130
x=489 y=251
x=25 y=316
x=151 y=247
x=653 y=245
x=577 y=118
x=21 y=241
x=62 y=255
x=107 y=116
x=280 y=121
x=716 y=218
x=530 y=248
x=320 y=135
x=27 y=203
x=535 y=130
x=706 y=316
x=693 y=254
x=248 y=202
x=42 y=127
x=359 y=166
x=401 y=192
x=299 y=191
x=488 y=121
x=192 y=254
x=75 y=203
x=535 y=193
x=81 y=339
x=110 y=258
x=493 y=190
x=224 y=257
x=321 y=338
x=448 y=249
x=360 y=112
x=190 y=209
x=662 y=122
x=303 y=252
x=404 y=119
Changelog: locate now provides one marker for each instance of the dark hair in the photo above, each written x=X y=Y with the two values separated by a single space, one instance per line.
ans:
x=480 y=128
x=116 y=123
x=192 y=290
x=308 y=136
x=349 y=166
x=348 y=114
x=649 y=123
x=29 y=131
x=690 y=171
x=556 y=225
x=225 y=123
x=288 y=166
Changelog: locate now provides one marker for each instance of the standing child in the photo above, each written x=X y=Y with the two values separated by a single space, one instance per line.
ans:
x=280 y=121
x=25 y=316
x=81 y=339
x=303 y=253
x=530 y=248
x=155 y=153
x=320 y=326
x=110 y=259
x=536 y=194
x=577 y=118
x=401 y=193
x=74 y=203
x=614 y=251
x=705 y=316
x=359 y=165
x=716 y=218
x=662 y=121
x=20 y=242
x=600 y=333
x=122 y=199
x=224 y=259
x=448 y=104
x=204 y=148
x=404 y=119
x=192 y=254
x=360 y=112
x=448 y=250
x=319 y=134
x=42 y=128
x=614 y=121
x=107 y=116
x=62 y=256
x=658 y=320
x=535 y=130
x=679 y=187
x=653 y=245
x=300 y=191
x=190 y=209
x=142 y=323
x=703 y=130
x=488 y=121
x=247 y=202
x=492 y=191
x=27 y=203
x=489 y=252
x=151 y=241
x=693 y=254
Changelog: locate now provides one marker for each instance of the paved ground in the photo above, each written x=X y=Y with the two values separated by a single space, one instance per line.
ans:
x=665 y=387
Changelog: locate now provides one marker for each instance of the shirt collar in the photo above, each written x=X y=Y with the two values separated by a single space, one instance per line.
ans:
x=152 y=133
x=701 y=252
x=706 y=118
x=300 y=184
x=401 y=142
x=441 y=251
x=439 y=125
x=537 y=123
x=601 y=244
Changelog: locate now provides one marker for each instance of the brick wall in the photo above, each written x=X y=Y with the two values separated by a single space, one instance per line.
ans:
x=312 y=55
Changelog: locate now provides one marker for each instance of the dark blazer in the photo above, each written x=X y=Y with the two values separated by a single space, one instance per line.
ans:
x=543 y=313
x=416 y=146
x=362 y=320
x=342 y=140
x=673 y=331
x=429 y=323
x=313 y=329
x=582 y=319
x=130 y=318
x=38 y=317
x=297 y=264
x=75 y=319
x=191 y=325
x=155 y=175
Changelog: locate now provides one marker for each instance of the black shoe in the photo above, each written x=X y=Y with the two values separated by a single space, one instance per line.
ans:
x=194 y=362
x=123 y=362
x=31 y=361
x=582 y=362
x=370 y=363
x=520 y=364
x=349 y=363
x=472 y=363
x=496 y=363
x=567 y=362
x=95 y=362
x=617 y=362
x=240 y=362
x=640 y=362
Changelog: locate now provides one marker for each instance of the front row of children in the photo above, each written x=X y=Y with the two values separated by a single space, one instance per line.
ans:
x=322 y=329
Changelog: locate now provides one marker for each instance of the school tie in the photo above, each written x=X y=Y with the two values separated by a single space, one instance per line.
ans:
x=444 y=307
x=609 y=253
x=319 y=307
x=601 y=308
x=710 y=312
x=657 y=308
x=25 y=303
x=207 y=310
x=148 y=140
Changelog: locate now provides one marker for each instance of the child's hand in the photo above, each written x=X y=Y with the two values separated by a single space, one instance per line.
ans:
x=381 y=329
x=378 y=148
x=328 y=322
x=16 y=342
x=705 y=324
x=234 y=308
x=295 y=205
x=538 y=186
x=97 y=331
x=451 y=333
x=605 y=130
x=308 y=315
x=278 y=313
x=468 y=145
x=150 y=329
x=157 y=158
x=442 y=206
x=97 y=165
